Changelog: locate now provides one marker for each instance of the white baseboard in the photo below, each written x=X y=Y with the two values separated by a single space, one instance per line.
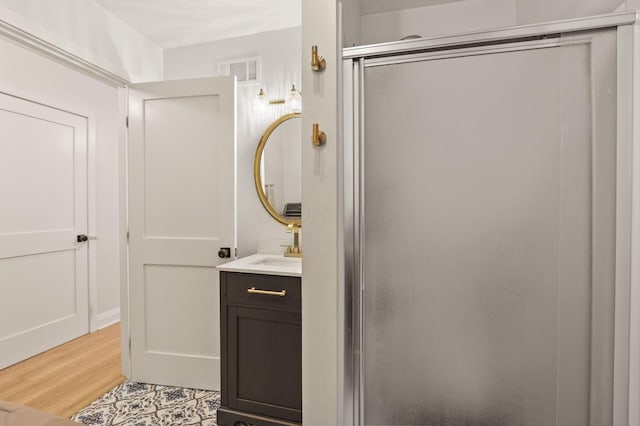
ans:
x=109 y=317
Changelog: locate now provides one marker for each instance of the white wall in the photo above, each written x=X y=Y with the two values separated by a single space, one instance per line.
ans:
x=441 y=19
x=83 y=28
x=534 y=11
x=322 y=305
x=280 y=52
x=32 y=76
x=351 y=22
x=465 y=16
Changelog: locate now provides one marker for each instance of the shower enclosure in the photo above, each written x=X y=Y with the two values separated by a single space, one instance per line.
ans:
x=487 y=218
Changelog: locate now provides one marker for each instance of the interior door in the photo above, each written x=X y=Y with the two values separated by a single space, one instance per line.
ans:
x=43 y=207
x=181 y=213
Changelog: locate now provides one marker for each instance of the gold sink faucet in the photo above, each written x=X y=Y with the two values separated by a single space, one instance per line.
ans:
x=295 y=250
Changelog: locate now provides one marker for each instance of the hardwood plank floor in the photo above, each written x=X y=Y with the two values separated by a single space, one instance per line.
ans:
x=68 y=377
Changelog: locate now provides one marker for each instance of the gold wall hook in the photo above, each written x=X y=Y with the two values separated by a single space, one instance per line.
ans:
x=319 y=137
x=318 y=63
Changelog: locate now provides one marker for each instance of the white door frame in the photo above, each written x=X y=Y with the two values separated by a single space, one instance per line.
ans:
x=626 y=405
x=123 y=236
x=91 y=187
x=627 y=361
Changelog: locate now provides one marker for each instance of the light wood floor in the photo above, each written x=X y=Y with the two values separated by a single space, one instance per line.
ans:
x=66 y=378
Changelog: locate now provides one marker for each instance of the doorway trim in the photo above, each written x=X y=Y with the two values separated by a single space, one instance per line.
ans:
x=28 y=40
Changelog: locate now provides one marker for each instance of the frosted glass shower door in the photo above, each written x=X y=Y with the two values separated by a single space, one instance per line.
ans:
x=488 y=239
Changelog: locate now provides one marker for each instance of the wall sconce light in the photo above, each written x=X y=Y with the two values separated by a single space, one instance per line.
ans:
x=293 y=101
x=260 y=102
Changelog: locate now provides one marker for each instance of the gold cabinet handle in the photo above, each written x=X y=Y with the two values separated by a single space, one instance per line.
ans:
x=280 y=293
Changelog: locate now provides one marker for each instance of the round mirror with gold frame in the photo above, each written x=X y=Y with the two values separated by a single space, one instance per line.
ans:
x=277 y=169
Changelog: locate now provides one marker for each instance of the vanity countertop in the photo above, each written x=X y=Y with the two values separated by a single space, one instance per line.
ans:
x=268 y=264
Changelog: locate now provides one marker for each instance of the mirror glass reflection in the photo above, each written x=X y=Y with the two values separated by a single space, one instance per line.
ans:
x=281 y=168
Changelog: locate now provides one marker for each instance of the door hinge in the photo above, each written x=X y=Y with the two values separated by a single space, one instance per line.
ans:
x=127 y=235
x=127 y=121
x=129 y=344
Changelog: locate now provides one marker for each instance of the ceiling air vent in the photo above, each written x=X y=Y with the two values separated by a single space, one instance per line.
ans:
x=247 y=70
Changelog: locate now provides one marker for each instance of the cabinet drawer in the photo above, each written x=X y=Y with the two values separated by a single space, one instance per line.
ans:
x=270 y=291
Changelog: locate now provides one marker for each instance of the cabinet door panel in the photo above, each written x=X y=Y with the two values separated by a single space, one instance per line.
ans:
x=265 y=362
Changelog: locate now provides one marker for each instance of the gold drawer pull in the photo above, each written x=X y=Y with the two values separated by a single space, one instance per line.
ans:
x=280 y=293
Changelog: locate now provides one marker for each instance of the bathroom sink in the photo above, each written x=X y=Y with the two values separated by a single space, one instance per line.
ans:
x=268 y=264
x=273 y=261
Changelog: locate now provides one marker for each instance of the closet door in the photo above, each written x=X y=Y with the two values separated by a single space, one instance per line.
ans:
x=489 y=233
x=44 y=282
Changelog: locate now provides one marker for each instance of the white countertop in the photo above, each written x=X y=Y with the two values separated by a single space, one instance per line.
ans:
x=267 y=264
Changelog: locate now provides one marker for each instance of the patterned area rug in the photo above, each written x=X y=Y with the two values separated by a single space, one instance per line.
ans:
x=140 y=404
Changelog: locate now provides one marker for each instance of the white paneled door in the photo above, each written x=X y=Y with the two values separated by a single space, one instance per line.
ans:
x=43 y=208
x=181 y=214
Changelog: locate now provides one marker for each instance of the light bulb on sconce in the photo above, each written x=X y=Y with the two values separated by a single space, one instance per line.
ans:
x=260 y=102
x=293 y=101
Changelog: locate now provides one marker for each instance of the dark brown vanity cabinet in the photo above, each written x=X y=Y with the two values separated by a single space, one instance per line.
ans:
x=261 y=347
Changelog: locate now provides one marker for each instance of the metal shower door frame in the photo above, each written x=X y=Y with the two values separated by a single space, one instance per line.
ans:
x=626 y=392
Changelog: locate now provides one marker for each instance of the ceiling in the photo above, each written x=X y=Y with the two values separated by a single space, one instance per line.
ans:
x=174 y=23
